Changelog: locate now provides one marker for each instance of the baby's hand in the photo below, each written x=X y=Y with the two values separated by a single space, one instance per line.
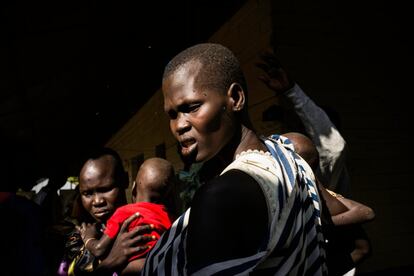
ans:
x=87 y=231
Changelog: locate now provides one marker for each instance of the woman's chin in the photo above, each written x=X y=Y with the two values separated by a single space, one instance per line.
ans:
x=189 y=155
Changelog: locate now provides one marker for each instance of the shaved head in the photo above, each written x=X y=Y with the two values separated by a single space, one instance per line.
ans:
x=154 y=180
x=220 y=67
x=102 y=183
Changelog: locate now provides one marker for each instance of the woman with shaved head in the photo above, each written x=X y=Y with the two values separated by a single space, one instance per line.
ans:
x=154 y=195
x=102 y=184
x=260 y=212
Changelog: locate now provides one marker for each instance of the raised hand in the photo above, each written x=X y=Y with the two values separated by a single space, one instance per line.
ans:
x=275 y=77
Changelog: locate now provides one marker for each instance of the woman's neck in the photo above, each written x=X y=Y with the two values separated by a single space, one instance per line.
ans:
x=249 y=141
x=245 y=139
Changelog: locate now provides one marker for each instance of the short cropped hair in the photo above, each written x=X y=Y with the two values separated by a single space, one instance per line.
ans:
x=220 y=67
x=120 y=175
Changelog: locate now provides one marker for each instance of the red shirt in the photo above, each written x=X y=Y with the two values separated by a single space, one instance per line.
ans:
x=150 y=213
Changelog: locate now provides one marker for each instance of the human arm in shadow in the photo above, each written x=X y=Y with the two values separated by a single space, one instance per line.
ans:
x=363 y=248
x=351 y=215
x=228 y=220
x=319 y=127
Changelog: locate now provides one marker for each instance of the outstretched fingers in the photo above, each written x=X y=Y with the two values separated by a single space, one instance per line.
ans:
x=141 y=234
x=127 y=222
x=136 y=239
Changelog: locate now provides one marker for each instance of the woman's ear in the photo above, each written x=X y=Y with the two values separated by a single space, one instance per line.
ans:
x=236 y=96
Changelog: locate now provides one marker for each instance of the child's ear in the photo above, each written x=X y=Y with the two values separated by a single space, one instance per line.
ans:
x=237 y=96
x=134 y=191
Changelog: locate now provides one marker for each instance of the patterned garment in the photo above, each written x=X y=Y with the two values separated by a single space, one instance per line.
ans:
x=295 y=244
x=77 y=259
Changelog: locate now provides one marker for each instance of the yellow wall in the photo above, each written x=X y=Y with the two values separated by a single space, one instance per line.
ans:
x=245 y=33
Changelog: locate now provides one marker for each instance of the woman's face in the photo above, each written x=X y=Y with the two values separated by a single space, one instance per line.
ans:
x=200 y=118
x=100 y=195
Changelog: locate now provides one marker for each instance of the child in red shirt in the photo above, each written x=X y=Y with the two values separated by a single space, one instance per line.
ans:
x=155 y=197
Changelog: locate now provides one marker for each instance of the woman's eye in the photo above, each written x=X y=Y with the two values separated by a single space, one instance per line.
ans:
x=187 y=108
x=86 y=194
x=193 y=107
x=105 y=190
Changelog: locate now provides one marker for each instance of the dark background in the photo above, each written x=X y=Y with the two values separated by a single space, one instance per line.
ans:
x=73 y=72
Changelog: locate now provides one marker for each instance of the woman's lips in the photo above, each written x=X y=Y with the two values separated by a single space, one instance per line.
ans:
x=100 y=214
x=188 y=146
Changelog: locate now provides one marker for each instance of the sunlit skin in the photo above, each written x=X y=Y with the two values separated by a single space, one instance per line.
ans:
x=207 y=108
x=200 y=118
x=100 y=194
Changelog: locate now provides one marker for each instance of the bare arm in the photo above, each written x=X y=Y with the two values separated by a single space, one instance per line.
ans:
x=89 y=236
x=345 y=211
x=98 y=247
x=357 y=213
x=348 y=212
x=134 y=267
x=334 y=206
x=218 y=229
x=324 y=134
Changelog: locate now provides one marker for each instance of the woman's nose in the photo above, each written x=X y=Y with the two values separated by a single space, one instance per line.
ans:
x=182 y=124
x=97 y=199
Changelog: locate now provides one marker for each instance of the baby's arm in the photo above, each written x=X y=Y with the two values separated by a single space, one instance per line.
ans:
x=133 y=267
x=357 y=213
x=335 y=207
x=98 y=247
x=345 y=211
x=89 y=236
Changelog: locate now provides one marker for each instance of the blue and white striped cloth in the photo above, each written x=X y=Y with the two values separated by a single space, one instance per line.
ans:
x=295 y=241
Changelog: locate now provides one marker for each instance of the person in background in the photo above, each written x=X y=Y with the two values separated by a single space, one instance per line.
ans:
x=319 y=127
x=21 y=234
x=154 y=197
x=347 y=243
x=102 y=184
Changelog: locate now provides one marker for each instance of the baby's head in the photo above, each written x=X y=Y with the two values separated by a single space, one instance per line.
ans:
x=155 y=182
x=304 y=147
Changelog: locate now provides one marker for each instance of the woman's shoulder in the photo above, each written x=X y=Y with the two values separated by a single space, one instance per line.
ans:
x=266 y=171
x=227 y=195
x=259 y=165
x=227 y=183
x=252 y=160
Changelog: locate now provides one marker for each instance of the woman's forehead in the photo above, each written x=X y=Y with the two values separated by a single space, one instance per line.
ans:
x=180 y=87
x=97 y=167
x=97 y=173
x=184 y=72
